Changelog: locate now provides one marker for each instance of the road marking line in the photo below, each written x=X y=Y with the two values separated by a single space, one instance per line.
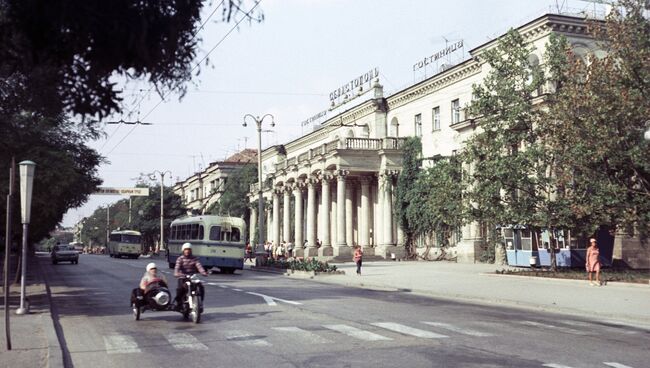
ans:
x=213 y=283
x=552 y=327
x=120 y=344
x=464 y=331
x=619 y=329
x=304 y=334
x=357 y=333
x=223 y=286
x=243 y=338
x=238 y=289
x=185 y=341
x=270 y=300
x=553 y=365
x=406 y=330
x=616 y=365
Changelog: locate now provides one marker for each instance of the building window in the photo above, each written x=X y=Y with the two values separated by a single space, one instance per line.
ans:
x=436 y=118
x=418 y=125
x=455 y=111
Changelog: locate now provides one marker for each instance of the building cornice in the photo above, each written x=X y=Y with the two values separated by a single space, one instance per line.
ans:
x=459 y=72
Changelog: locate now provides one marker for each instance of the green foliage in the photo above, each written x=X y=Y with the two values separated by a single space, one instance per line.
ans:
x=65 y=168
x=595 y=127
x=234 y=201
x=67 y=52
x=145 y=217
x=508 y=167
x=301 y=265
x=429 y=203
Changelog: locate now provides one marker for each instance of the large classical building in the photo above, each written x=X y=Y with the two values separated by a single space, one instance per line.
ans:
x=204 y=188
x=334 y=186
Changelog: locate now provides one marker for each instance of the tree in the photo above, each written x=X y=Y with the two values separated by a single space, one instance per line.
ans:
x=508 y=170
x=60 y=59
x=65 y=173
x=595 y=127
x=429 y=202
x=233 y=200
x=66 y=53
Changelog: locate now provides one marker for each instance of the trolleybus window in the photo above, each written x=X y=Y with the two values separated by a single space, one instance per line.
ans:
x=234 y=234
x=132 y=239
x=215 y=233
x=114 y=237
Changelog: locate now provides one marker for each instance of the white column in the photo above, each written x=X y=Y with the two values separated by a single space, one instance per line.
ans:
x=326 y=246
x=276 y=217
x=253 y=226
x=286 y=218
x=298 y=246
x=387 y=183
x=342 y=248
x=364 y=230
x=311 y=219
x=349 y=215
x=269 y=225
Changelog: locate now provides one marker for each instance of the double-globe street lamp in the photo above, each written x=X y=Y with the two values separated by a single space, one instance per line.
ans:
x=152 y=176
x=26 y=186
x=259 y=251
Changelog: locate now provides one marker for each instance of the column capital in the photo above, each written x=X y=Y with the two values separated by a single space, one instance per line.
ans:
x=389 y=173
x=325 y=176
x=312 y=180
x=341 y=174
x=287 y=188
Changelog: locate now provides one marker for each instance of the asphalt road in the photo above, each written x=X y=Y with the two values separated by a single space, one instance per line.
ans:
x=254 y=319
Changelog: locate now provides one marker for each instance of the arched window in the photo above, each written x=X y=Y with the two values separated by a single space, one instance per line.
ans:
x=394 y=128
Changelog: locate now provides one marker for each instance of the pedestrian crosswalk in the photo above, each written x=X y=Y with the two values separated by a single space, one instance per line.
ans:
x=379 y=332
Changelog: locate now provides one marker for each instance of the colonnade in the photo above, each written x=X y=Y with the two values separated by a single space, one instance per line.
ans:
x=332 y=212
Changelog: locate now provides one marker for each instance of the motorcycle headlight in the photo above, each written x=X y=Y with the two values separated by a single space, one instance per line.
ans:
x=161 y=298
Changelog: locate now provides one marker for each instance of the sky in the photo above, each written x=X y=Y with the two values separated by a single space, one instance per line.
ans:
x=287 y=66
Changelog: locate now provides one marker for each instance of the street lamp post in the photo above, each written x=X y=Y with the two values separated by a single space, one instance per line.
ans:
x=260 y=205
x=162 y=202
x=26 y=186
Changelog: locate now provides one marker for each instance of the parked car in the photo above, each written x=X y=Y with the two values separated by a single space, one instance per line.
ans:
x=64 y=253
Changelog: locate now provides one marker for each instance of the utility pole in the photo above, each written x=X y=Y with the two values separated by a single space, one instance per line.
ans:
x=162 y=203
x=8 y=236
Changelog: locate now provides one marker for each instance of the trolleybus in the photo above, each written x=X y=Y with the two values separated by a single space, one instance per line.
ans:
x=216 y=240
x=125 y=243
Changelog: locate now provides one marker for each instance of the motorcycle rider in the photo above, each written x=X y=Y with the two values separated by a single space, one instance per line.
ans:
x=150 y=276
x=187 y=264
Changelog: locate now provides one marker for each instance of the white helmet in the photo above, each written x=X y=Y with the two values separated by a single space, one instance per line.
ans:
x=186 y=246
x=150 y=266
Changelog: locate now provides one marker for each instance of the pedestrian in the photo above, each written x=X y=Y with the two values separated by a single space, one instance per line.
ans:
x=279 y=251
x=249 y=252
x=358 y=256
x=592 y=262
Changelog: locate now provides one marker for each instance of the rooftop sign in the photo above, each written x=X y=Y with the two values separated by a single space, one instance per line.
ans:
x=346 y=90
x=435 y=57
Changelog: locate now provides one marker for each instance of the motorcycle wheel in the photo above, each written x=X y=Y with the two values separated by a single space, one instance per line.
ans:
x=196 y=310
x=136 y=312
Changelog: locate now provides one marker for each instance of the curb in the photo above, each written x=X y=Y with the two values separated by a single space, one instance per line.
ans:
x=574 y=281
x=54 y=351
x=55 y=354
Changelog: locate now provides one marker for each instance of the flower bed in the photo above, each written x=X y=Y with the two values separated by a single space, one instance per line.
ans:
x=606 y=275
x=311 y=265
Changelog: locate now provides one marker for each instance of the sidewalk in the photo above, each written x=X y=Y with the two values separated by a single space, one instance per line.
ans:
x=33 y=338
x=477 y=283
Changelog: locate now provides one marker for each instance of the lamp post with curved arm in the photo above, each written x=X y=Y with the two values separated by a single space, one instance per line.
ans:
x=260 y=205
x=152 y=176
